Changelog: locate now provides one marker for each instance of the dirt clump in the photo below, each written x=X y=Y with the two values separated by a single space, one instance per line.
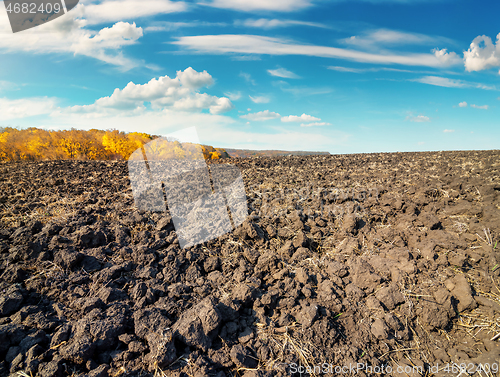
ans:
x=385 y=260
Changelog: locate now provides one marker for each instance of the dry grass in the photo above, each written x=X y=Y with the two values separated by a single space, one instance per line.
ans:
x=487 y=237
x=481 y=320
x=52 y=207
x=283 y=342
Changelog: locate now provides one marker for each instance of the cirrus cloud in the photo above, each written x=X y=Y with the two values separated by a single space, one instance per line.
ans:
x=259 y=5
x=256 y=44
x=265 y=23
x=282 y=72
x=451 y=83
x=301 y=118
x=387 y=37
x=260 y=99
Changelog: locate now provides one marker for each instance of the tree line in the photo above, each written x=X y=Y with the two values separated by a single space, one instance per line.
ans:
x=34 y=144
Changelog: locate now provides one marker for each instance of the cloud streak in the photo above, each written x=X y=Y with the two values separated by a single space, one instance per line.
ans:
x=248 y=78
x=284 y=73
x=259 y=5
x=255 y=44
x=260 y=99
x=450 y=83
x=373 y=69
x=266 y=23
x=387 y=37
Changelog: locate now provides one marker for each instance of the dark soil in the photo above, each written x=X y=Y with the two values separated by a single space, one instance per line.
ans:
x=382 y=259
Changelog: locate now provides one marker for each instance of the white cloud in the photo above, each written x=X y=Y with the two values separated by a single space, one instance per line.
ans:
x=447 y=58
x=315 y=124
x=248 y=78
x=418 y=118
x=199 y=101
x=449 y=83
x=156 y=122
x=301 y=91
x=261 y=116
x=364 y=70
x=233 y=96
x=348 y=69
x=171 y=26
x=259 y=5
x=245 y=58
x=462 y=104
x=282 y=72
x=194 y=80
x=441 y=81
x=167 y=26
x=259 y=99
x=448 y=131
x=215 y=130
x=266 y=23
x=483 y=107
x=301 y=118
x=119 y=35
x=255 y=44
x=178 y=93
x=25 y=107
x=121 y=10
x=7 y=85
x=70 y=36
x=482 y=54
x=386 y=37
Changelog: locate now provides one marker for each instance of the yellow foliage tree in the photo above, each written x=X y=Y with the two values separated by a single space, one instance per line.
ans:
x=38 y=144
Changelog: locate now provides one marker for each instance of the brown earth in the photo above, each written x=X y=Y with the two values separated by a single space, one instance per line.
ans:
x=375 y=260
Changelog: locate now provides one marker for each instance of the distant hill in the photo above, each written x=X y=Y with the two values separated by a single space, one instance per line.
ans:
x=245 y=153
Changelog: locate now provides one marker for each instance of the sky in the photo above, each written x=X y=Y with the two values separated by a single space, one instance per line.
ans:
x=353 y=76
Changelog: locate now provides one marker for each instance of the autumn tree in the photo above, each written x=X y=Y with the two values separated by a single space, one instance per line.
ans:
x=38 y=144
x=122 y=145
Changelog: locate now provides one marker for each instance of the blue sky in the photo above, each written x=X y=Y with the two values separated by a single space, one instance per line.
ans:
x=338 y=76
